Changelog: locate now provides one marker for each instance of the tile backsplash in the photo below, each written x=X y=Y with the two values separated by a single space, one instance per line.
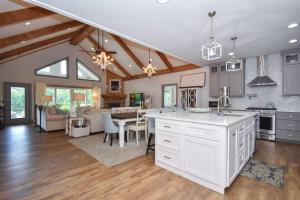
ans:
x=265 y=93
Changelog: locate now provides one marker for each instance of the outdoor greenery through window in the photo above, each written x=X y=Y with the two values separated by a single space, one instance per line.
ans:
x=84 y=73
x=57 y=69
x=62 y=97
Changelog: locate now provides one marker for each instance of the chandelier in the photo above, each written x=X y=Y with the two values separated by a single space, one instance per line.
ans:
x=101 y=57
x=150 y=69
x=234 y=64
x=211 y=50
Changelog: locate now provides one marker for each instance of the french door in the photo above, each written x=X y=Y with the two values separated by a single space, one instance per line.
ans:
x=17 y=98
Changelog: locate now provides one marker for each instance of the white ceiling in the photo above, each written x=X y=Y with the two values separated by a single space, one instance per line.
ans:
x=180 y=27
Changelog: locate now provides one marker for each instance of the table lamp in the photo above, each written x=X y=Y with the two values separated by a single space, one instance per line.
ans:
x=95 y=98
x=78 y=97
x=48 y=99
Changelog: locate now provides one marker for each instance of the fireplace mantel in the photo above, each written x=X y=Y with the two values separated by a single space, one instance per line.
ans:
x=113 y=99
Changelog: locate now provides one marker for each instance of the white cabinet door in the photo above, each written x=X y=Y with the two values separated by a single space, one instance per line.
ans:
x=232 y=154
x=247 y=144
x=252 y=141
x=202 y=159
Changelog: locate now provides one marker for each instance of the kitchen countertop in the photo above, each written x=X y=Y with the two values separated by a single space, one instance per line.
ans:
x=206 y=118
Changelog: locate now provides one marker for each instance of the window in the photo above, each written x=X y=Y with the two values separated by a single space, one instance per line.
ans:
x=56 y=69
x=62 y=97
x=169 y=95
x=84 y=73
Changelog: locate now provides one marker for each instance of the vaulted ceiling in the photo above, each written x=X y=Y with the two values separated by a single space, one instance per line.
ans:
x=48 y=28
x=180 y=27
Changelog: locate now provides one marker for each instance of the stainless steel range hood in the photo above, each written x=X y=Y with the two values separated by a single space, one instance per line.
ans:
x=262 y=78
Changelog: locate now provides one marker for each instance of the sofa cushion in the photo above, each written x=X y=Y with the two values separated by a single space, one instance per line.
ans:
x=51 y=111
x=55 y=117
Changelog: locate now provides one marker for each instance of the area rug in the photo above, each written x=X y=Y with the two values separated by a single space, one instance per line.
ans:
x=267 y=173
x=110 y=155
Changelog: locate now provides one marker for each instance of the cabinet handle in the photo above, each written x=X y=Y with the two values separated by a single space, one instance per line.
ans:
x=167 y=126
x=291 y=116
x=290 y=125
x=233 y=134
x=167 y=140
x=167 y=157
x=290 y=135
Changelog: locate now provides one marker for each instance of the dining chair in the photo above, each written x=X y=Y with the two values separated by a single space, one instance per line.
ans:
x=151 y=128
x=109 y=127
x=138 y=126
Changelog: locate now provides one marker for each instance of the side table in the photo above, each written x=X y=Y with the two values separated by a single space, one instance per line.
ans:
x=69 y=120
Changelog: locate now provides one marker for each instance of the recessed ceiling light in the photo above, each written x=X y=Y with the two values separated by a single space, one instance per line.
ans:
x=23 y=42
x=293 y=41
x=115 y=69
x=69 y=29
x=106 y=40
x=129 y=65
x=162 y=1
x=231 y=54
x=93 y=48
x=292 y=25
x=27 y=23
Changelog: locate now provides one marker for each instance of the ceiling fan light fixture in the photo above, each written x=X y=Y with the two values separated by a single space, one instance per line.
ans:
x=234 y=64
x=212 y=49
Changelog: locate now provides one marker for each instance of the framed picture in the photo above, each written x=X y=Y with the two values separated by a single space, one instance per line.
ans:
x=115 y=85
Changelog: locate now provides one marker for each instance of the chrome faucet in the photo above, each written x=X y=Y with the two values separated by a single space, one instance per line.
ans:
x=223 y=99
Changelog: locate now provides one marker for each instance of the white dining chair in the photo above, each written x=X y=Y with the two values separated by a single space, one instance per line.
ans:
x=139 y=126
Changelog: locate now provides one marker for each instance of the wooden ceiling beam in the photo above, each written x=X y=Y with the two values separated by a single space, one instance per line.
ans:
x=21 y=15
x=165 y=60
x=164 y=71
x=36 y=45
x=137 y=61
x=120 y=67
x=16 y=39
x=83 y=33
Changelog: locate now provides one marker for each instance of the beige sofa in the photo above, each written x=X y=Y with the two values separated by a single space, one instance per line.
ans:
x=52 y=119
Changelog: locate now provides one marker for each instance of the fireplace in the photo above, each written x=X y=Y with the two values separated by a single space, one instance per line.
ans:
x=113 y=100
x=114 y=105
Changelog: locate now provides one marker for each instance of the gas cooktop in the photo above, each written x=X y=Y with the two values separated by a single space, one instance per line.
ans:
x=260 y=108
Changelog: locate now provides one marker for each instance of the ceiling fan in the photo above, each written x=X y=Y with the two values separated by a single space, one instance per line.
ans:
x=101 y=57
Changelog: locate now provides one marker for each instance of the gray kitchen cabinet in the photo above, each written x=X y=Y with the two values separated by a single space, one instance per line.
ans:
x=219 y=78
x=214 y=81
x=288 y=126
x=291 y=72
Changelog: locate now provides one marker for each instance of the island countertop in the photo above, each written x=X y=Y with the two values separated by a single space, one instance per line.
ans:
x=205 y=118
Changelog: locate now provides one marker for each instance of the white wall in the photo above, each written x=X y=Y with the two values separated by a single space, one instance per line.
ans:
x=153 y=86
x=22 y=69
x=267 y=94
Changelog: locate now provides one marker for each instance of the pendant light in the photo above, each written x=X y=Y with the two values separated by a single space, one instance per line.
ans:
x=101 y=58
x=150 y=69
x=211 y=50
x=234 y=64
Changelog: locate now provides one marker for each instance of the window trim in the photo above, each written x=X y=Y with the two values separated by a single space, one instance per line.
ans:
x=67 y=77
x=79 y=61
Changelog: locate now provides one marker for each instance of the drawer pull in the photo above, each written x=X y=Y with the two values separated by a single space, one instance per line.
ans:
x=290 y=125
x=167 y=157
x=167 y=140
x=290 y=135
x=167 y=127
x=291 y=116
x=241 y=144
x=233 y=134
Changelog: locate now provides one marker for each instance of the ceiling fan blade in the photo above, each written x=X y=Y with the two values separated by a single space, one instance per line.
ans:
x=111 y=52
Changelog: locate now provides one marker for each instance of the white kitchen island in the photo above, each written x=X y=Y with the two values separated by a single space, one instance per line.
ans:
x=204 y=147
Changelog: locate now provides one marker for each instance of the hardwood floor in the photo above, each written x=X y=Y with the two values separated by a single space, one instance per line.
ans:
x=46 y=166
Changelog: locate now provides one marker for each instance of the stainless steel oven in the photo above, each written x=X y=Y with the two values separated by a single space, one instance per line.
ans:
x=265 y=128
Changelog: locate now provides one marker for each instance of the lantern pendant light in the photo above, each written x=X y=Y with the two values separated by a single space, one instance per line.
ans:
x=211 y=50
x=150 y=69
x=234 y=64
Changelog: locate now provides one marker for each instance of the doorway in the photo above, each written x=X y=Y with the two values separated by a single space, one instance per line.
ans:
x=169 y=95
x=17 y=98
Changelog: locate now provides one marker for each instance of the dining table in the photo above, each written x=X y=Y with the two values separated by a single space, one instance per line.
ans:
x=121 y=119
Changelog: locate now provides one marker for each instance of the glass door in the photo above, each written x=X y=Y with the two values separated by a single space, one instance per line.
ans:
x=17 y=103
